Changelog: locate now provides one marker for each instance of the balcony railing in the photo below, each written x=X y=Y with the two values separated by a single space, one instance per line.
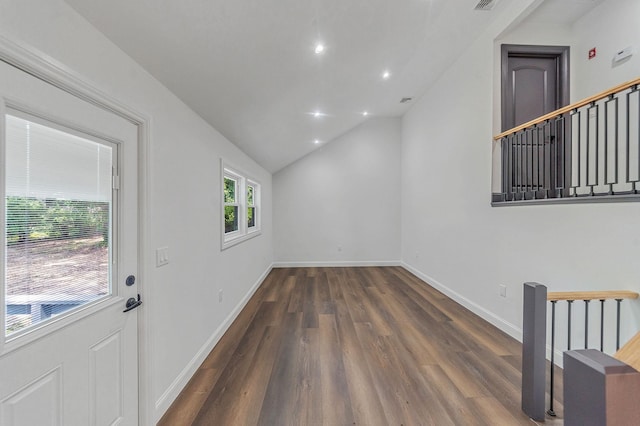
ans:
x=587 y=151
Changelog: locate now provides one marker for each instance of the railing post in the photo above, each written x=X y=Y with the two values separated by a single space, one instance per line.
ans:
x=534 y=341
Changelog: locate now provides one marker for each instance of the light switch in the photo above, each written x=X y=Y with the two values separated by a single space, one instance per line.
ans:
x=162 y=256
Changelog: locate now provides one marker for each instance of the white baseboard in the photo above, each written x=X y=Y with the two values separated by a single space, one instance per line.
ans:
x=488 y=316
x=166 y=399
x=337 y=264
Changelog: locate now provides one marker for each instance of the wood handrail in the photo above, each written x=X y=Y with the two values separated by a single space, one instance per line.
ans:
x=591 y=295
x=630 y=352
x=568 y=108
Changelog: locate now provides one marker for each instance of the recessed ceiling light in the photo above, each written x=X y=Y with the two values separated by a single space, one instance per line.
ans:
x=316 y=141
x=317 y=114
x=386 y=74
x=365 y=113
x=319 y=48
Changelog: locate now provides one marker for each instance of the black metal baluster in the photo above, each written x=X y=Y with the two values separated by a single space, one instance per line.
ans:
x=553 y=339
x=528 y=161
x=606 y=144
x=554 y=170
x=601 y=325
x=545 y=186
x=588 y=144
x=628 y=138
x=518 y=168
x=513 y=159
x=537 y=168
x=586 y=324
x=591 y=183
x=512 y=162
x=578 y=133
x=531 y=162
x=569 y=303
x=597 y=150
x=618 y=301
x=528 y=152
x=634 y=89
x=635 y=190
x=561 y=146
x=505 y=168
x=615 y=149
x=607 y=181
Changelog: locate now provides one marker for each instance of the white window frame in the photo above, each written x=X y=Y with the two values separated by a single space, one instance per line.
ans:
x=244 y=232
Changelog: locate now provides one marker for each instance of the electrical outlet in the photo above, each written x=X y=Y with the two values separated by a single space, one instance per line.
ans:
x=503 y=290
x=220 y=295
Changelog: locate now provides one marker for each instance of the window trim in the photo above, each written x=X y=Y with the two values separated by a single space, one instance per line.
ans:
x=244 y=232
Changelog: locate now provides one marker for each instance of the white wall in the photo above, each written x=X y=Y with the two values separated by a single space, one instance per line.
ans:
x=461 y=244
x=341 y=203
x=609 y=27
x=184 y=316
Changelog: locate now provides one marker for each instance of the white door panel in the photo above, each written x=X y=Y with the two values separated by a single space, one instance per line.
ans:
x=79 y=366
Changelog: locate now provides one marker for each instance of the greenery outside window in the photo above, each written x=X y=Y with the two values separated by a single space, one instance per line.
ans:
x=230 y=204
x=241 y=207
x=251 y=206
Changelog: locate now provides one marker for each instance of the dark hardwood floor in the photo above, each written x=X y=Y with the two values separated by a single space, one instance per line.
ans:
x=355 y=346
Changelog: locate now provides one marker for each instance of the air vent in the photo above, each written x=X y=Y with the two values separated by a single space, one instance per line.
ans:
x=405 y=100
x=485 y=4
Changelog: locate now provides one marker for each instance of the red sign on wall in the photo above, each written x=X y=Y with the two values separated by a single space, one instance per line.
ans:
x=592 y=53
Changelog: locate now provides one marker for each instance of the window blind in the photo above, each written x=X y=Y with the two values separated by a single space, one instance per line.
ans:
x=58 y=202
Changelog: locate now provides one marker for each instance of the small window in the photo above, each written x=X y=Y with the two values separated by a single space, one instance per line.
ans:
x=241 y=205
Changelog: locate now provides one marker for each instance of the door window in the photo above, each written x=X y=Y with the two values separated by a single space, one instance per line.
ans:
x=58 y=226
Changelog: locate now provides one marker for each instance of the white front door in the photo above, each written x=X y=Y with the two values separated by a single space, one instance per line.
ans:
x=68 y=182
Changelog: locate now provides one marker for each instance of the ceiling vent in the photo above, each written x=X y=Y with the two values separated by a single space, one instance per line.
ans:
x=485 y=4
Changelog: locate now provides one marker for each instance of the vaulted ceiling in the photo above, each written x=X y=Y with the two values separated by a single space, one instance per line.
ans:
x=250 y=67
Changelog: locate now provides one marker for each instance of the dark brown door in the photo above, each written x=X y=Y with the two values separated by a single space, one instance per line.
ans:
x=534 y=83
x=532 y=89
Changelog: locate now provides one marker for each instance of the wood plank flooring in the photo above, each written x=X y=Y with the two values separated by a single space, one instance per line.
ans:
x=355 y=346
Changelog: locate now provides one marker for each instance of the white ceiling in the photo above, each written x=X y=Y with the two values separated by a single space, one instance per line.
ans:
x=248 y=67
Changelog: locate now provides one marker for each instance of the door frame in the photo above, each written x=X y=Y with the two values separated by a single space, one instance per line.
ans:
x=47 y=69
x=560 y=53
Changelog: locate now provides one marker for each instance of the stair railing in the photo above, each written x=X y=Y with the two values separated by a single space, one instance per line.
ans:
x=536 y=299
